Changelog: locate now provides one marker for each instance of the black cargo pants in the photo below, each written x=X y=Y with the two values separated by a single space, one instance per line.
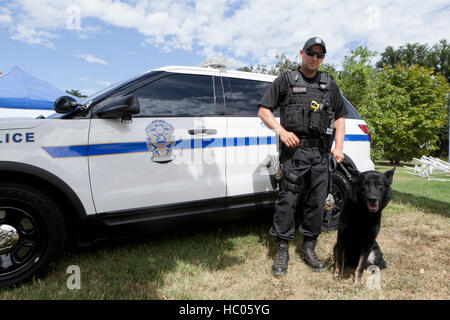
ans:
x=307 y=168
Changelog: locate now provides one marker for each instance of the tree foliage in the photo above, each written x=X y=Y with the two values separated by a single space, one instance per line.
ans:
x=436 y=58
x=405 y=111
x=356 y=77
x=76 y=93
x=283 y=64
x=404 y=106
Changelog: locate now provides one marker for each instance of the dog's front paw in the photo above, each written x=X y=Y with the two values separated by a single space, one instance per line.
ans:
x=337 y=279
x=337 y=276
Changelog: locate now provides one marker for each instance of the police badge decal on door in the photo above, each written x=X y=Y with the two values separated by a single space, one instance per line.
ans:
x=160 y=141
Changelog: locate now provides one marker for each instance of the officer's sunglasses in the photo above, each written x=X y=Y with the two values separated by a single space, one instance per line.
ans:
x=311 y=53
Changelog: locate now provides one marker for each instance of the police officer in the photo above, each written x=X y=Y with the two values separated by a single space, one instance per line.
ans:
x=311 y=114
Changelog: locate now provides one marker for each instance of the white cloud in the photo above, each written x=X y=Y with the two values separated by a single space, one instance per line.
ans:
x=251 y=30
x=5 y=16
x=103 y=83
x=87 y=31
x=31 y=35
x=91 y=58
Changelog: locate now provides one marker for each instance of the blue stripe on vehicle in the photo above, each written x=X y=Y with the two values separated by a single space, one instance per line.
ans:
x=132 y=147
x=117 y=148
x=67 y=152
x=356 y=137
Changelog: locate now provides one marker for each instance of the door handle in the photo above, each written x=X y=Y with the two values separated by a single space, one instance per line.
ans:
x=202 y=130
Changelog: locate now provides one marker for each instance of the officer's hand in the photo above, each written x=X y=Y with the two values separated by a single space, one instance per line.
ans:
x=289 y=139
x=338 y=154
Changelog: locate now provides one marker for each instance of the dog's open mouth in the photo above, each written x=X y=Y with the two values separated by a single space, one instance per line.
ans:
x=372 y=205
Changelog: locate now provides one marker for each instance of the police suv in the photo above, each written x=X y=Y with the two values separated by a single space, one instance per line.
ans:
x=170 y=147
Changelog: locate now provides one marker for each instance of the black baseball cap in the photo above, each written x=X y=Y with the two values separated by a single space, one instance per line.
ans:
x=313 y=41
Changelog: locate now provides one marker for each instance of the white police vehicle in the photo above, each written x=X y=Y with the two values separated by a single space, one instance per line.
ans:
x=167 y=148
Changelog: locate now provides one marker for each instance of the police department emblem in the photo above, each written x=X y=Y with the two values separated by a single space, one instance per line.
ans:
x=160 y=141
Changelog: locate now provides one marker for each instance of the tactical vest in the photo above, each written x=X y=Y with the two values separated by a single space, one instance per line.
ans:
x=309 y=113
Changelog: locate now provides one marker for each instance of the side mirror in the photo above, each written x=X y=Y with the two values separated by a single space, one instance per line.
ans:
x=122 y=107
x=65 y=104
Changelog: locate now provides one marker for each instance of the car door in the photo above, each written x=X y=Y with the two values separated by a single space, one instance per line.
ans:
x=166 y=155
x=251 y=146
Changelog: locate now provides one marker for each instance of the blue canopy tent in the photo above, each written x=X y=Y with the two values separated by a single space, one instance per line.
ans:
x=20 y=90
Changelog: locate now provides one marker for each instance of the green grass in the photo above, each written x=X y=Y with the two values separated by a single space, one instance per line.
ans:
x=430 y=195
x=233 y=261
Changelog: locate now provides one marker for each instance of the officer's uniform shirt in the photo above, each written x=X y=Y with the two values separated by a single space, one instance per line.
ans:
x=276 y=95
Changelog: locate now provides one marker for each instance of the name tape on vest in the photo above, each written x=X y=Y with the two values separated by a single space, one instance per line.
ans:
x=298 y=89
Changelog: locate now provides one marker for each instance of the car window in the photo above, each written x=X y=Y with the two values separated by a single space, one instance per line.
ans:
x=177 y=95
x=242 y=96
x=218 y=92
x=351 y=112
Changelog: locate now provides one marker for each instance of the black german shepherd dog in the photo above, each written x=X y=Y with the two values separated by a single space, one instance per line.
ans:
x=360 y=222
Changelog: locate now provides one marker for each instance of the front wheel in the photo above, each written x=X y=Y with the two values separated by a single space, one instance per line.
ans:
x=335 y=201
x=32 y=233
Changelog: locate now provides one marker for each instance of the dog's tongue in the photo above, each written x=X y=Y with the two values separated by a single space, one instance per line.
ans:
x=372 y=206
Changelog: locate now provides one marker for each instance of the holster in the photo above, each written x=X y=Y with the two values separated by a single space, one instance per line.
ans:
x=290 y=181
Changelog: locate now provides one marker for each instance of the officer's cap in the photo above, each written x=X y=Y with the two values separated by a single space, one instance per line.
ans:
x=313 y=41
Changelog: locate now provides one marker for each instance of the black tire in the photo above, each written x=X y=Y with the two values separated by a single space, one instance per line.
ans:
x=339 y=189
x=40 y=231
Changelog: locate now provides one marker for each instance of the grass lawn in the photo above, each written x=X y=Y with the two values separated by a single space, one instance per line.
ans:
x=234 y=261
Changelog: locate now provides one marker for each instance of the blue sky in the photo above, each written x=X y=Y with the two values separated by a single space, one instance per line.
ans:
x=90 y=44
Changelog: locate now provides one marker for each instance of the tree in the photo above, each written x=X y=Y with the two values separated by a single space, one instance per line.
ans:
x=380 y=109
x=260 y=68
x=76 y=93
x=283 y=64
x=330 y=69
x=440 y=58
x=409 y=54
x=437 y=57
x=355 y=78
x=406 y=111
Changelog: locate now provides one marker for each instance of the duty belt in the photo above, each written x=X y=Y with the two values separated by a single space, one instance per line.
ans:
x=308 y=142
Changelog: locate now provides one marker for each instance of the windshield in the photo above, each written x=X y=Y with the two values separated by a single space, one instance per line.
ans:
x=105 y=91
x=101 y=92
x=351 y=111
x=90 y=98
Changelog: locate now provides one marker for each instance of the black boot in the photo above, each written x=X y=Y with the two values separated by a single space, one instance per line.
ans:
x=280 y=264
x=309 y=256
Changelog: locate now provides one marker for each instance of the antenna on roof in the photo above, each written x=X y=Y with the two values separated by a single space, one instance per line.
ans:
x=215 y=63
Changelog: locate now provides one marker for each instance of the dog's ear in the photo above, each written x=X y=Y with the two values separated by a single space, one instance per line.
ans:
x=389 y=175
x=352 y=194
x=355 y=173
